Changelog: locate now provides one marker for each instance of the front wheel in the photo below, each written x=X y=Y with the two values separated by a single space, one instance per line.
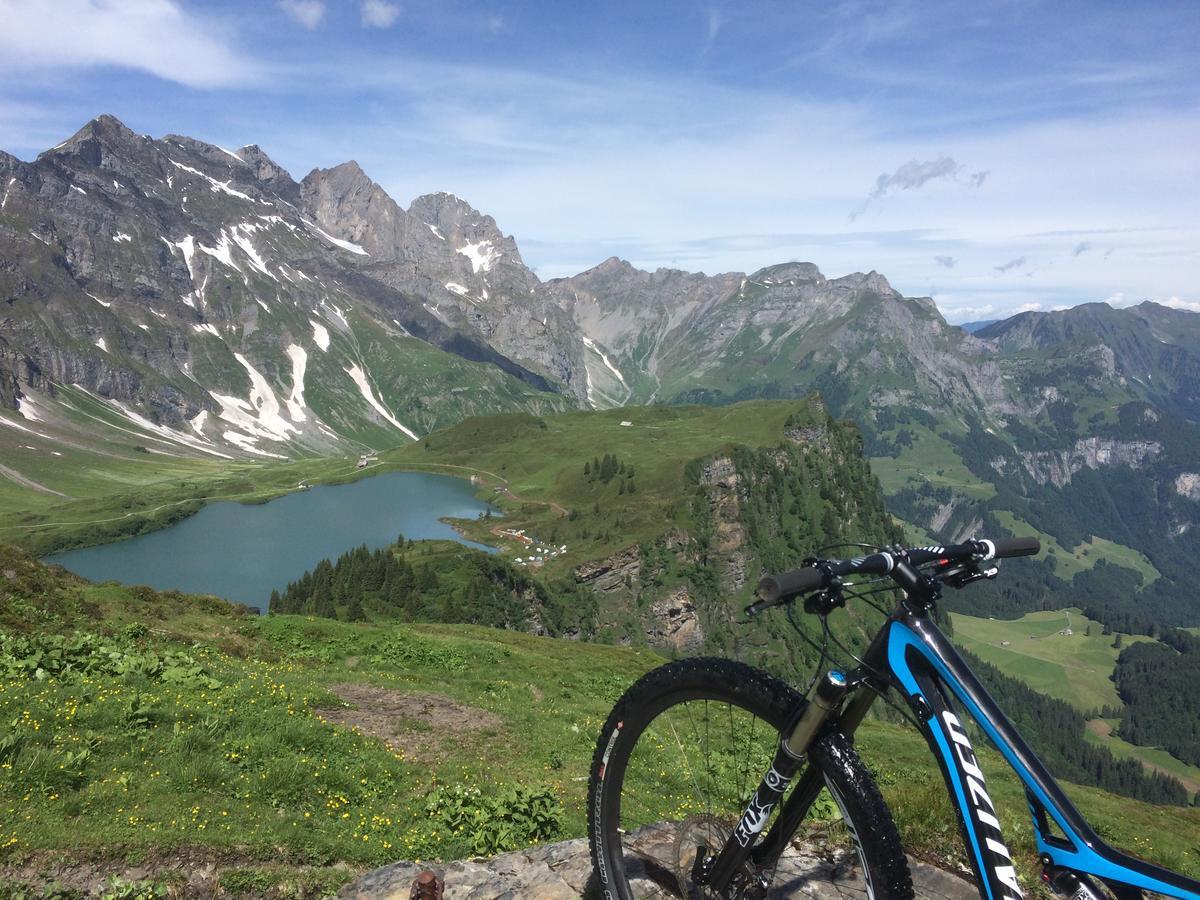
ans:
x=678 y=760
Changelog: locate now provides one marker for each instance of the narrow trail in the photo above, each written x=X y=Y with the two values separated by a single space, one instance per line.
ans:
x=20 y=479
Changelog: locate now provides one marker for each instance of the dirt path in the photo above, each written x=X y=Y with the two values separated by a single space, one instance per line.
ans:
x=414 y=724
x=14 y=475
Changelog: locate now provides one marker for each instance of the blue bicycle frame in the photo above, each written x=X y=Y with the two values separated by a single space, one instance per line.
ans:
x=918 y=660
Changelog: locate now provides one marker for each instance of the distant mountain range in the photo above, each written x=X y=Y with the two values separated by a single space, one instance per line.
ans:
x=199 y=301
x=972 y=327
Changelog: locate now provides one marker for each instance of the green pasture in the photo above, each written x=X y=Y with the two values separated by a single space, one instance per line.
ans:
x=1076 y=668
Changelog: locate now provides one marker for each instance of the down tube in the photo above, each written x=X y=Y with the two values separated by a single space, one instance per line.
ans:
x=1087 y=852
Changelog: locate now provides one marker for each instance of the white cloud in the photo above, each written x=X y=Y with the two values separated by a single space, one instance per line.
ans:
x=308 y=13
x=1029 y=307
x=155 y=36
x=1176 y=303
x=379 y=14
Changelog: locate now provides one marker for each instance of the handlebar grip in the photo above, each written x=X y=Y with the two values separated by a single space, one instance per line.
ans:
x=773 y=589
x=1020 y=546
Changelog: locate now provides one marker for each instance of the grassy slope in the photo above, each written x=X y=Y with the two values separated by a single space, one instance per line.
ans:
x=249 y=771
x=931 y=460
x=1075 y=668
x=1070 y=562
x=115 y=491
x=659 y=442
x=1100 y=732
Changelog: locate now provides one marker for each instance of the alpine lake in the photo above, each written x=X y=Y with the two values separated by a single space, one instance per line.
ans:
x=242 y=552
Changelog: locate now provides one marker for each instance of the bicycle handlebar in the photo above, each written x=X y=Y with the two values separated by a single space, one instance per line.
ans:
x=774 y=590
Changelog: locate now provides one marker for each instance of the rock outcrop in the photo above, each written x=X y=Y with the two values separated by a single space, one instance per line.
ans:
x=563 y=871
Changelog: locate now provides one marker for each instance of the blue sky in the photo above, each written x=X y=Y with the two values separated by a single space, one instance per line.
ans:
x=994 y=156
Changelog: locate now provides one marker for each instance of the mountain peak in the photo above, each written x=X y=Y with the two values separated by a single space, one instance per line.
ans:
x=352 y=207
x=270 y=172
x=447 y=210
x=792 y=271
x=102 y=138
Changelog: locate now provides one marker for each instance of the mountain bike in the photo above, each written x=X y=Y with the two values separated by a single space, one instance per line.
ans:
x=706 y=768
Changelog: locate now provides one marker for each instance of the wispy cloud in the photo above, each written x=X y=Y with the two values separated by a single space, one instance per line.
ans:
x=1011 y=264
x=308 y=13
x=155 y=36
x=714 y=19
x=379 y=14
x=1081 y=248
x=946 y=262
x=914 y=175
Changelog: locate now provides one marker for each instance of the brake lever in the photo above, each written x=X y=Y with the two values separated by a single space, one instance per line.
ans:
x=823 y=602
x=958 y=577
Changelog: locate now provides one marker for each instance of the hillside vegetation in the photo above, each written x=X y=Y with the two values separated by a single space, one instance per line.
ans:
x=156 y=727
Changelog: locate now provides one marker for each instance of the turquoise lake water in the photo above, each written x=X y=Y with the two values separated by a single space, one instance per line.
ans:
x=243 y=552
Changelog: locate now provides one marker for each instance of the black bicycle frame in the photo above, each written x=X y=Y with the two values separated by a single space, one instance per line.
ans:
x=912 y=655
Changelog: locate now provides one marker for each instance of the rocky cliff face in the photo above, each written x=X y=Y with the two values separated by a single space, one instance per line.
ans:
x=193 y=293
x=1057 y=467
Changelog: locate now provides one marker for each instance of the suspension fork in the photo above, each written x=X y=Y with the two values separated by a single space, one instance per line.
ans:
x=824 y=703
x=861 y=694
x=800 y=801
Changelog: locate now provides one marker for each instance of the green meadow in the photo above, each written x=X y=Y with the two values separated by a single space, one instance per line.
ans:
x=1075 y=667
x=293 y=751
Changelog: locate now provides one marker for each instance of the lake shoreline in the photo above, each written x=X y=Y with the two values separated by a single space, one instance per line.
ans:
x=87 y=534
x=242 y=551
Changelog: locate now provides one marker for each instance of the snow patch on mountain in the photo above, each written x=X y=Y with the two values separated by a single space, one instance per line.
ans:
x=320 y=335
x=336 y=312
x=216 y=186
x=247 y=443
x=591 y=345
x=209 y=327
x=263 y=401
x=27 y=410
x=169 y=434
x=481 y=254
x=364 y=388
x=295 y=402
x=101 y=344
x=456 y=288
x=223 y=251
x=337 y=242
x=436 y=231
x=105 y=303
x=241 y=236
x=76 y=187
x=121 y=237
x=197 y=422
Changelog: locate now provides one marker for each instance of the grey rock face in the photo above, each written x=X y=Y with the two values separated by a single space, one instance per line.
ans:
x=563 y=871
x=179 y=282
x=1057 y=467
